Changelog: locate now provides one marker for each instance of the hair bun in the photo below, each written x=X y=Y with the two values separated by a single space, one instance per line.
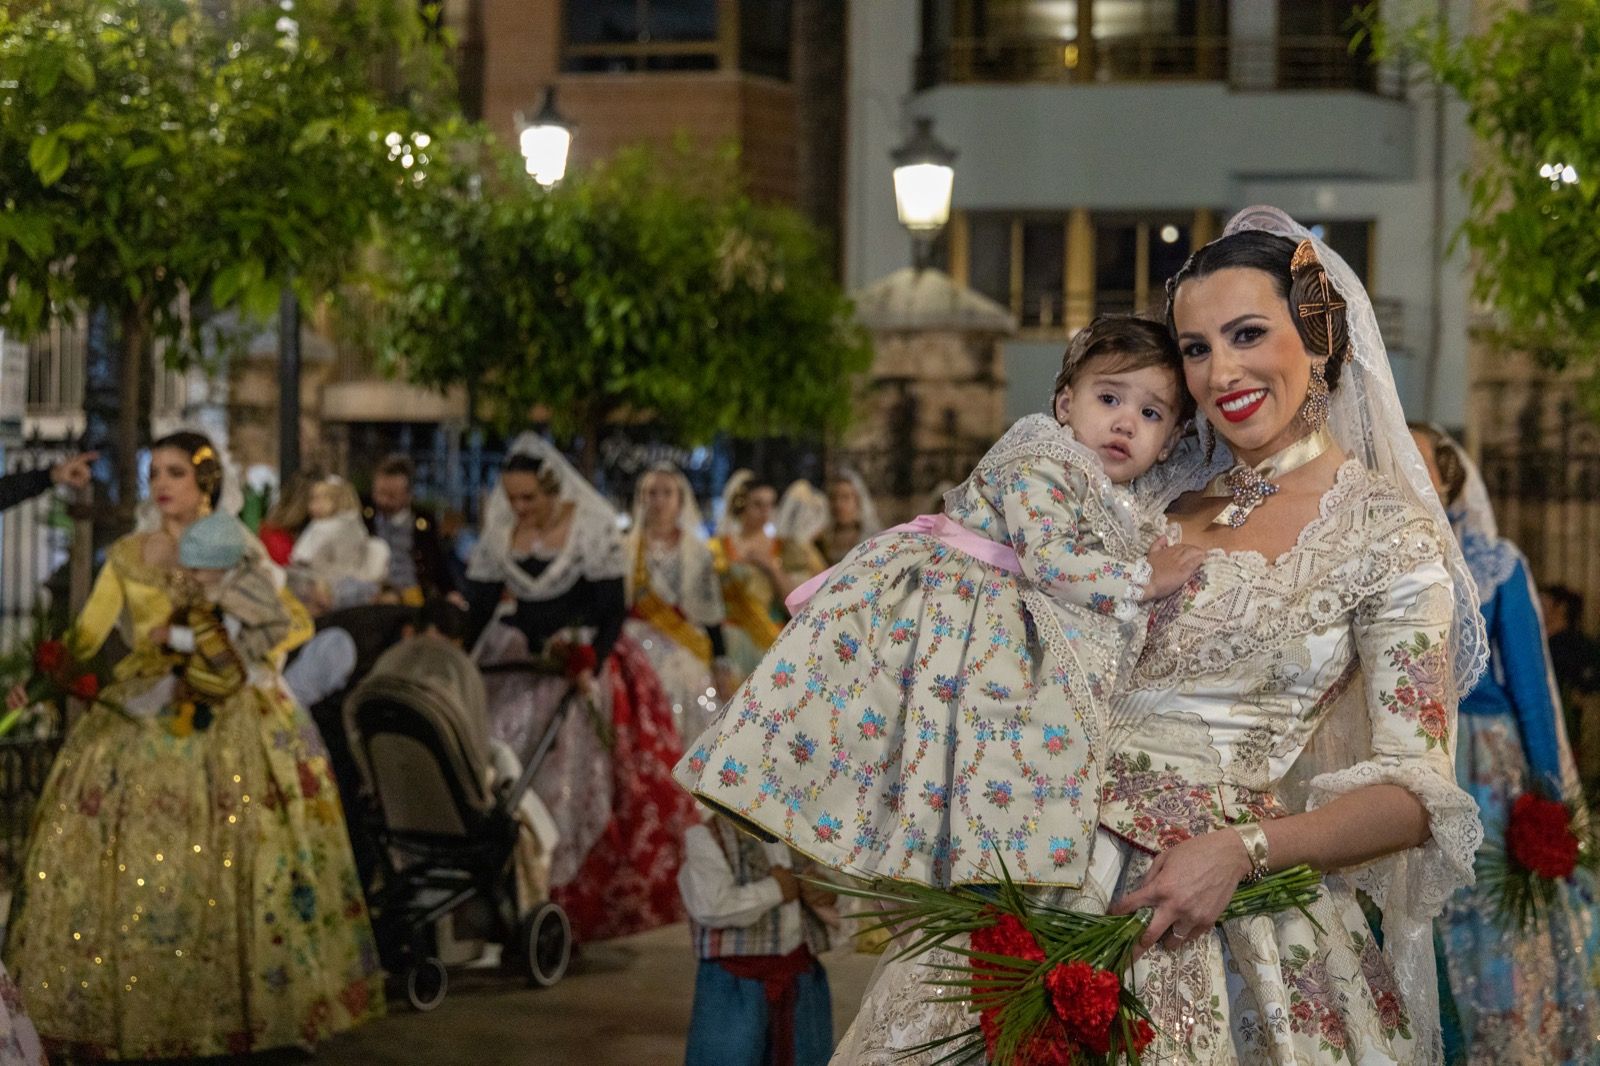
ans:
x=1319 y=308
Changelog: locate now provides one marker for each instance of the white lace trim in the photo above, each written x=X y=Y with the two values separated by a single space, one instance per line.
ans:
x=1492 y=562
x=1364 y=539
x=1109 y=510
x=1410 y=887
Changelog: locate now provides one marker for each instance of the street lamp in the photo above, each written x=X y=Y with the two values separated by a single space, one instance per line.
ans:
x=924 y=179
x=546 y=140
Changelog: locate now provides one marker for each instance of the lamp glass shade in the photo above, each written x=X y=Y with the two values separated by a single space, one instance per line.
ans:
x=544 y=150
x=922 y=193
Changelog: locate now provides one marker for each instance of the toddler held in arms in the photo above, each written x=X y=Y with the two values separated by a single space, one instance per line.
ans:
x=938 y=700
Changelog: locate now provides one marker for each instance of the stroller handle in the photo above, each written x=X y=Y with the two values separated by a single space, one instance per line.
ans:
x=541 y=751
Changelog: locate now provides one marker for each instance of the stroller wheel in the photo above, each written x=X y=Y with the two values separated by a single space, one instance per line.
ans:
x=545 y=942
x=426 y=984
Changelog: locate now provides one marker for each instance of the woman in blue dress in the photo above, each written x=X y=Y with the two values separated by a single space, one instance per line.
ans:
x=1528 y=998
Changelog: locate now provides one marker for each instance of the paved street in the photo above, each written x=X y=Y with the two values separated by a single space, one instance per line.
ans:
x=623 y=1003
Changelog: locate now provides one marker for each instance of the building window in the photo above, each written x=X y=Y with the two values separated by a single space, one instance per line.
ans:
x=1025 y=263
x=615 y=36
x=1352 y=239
x=1044 y=40
x=765 y=34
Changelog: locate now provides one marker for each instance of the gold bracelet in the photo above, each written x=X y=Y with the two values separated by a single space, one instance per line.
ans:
x=1255 y=846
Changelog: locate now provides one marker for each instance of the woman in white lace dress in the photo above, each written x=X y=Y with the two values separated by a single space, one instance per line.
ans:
x=675 y=609
x=1294 y=703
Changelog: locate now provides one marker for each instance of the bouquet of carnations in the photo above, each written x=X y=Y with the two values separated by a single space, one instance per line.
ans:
x=1546 y=841
x=575 y=661
x=48 y=672
x=1048 y=984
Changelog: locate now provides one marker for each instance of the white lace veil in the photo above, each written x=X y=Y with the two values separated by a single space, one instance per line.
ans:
x=802 y=513
x=595 y=520
x=1491 y=559
x=727 y=522
x=871 y=521
x=1367 y=421
x=698 y=598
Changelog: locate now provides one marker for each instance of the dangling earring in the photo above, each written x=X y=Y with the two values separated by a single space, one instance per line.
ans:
x=1314 y=411
x=1208 y=438
x=205 y=504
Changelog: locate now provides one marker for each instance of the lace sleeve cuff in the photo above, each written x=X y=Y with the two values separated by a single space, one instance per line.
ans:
x=1426 y=876
x=1131 y=603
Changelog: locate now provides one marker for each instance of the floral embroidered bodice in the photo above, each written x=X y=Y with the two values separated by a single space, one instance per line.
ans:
x=1243 y=667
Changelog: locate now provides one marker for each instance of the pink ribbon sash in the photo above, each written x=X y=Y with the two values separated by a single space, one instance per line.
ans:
x=942 y=526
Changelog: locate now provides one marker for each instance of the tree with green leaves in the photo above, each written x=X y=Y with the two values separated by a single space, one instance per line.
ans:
x=649 y=287
x=1531 y=83
x=162 y=160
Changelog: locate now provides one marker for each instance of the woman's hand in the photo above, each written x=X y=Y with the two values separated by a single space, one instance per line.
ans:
x=160 y=634
x=1171 y=567
x=1188 y=886
x=588 y=684
x=726 y=681
x=16 y=698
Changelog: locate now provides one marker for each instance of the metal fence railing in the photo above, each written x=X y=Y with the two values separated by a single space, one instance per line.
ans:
x=37 y=540
x=1246 y=64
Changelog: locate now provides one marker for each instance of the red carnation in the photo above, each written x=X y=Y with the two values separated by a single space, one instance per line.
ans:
x=1086 y=999
x=1540 y=836
x=1007 y=936
x=85 y=686
x=1143 y=1035
x=49 y=655
x=580 y=660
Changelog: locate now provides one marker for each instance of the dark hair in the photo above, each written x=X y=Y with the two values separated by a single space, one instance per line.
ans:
x=1274 y=256
x=1117 y=343
x=741 y=499
x=522 y=463
x=207 y=465
x=1568 y=598
x=439 y=613
x=397 y=465
x=1451 y=470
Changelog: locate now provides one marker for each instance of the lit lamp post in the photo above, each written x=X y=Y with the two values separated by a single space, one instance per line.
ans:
x=924 y=179
x=545 y=141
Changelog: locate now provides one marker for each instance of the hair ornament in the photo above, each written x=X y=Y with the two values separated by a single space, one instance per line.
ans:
x=1319 y=308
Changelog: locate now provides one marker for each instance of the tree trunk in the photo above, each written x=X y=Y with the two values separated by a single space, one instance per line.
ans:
x=594 y=425
x=132 y=418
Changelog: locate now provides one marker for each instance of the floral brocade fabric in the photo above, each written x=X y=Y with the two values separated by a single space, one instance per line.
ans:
x=926 y=710
x=192 y=895
x=1257 y=682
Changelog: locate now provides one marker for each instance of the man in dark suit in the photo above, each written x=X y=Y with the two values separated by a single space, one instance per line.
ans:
x=417 y=568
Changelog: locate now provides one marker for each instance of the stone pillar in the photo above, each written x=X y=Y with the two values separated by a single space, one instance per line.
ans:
x=934 y=400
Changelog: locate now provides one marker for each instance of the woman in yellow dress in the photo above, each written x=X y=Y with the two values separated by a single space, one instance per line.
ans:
x=751 y=563
x=188 y=888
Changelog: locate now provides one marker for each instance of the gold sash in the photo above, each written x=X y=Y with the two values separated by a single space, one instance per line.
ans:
x=654 y=611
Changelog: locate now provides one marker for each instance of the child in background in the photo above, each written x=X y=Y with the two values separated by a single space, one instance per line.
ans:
x=760 y=994
x=336 y=562
x=939 y=697
x=227 y=619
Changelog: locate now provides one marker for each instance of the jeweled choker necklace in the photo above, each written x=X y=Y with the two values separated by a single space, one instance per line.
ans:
x=1249 y=485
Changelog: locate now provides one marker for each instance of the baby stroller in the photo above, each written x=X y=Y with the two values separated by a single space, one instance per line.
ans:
x=446 y=835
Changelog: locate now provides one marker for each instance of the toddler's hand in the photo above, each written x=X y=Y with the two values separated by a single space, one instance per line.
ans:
x=160 y=635
x=788 y=883
x=17 y=698
x=1171 y=567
